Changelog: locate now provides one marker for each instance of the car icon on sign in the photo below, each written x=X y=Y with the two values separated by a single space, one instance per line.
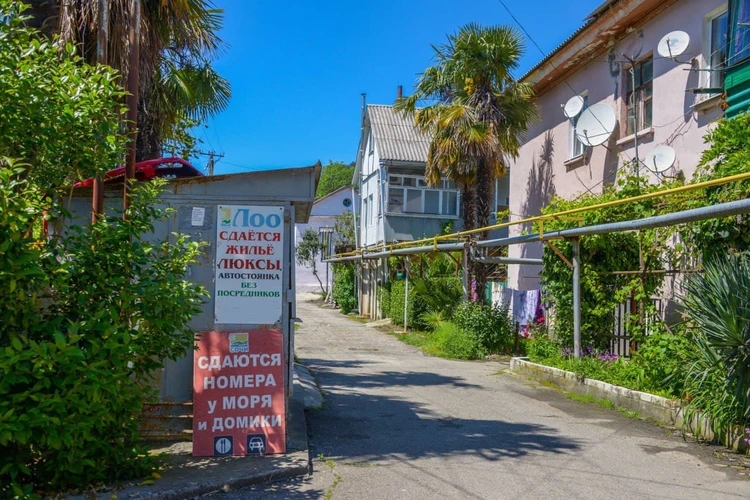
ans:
x=256 y=444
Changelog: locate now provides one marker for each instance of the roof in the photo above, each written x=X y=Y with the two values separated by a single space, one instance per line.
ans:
x=333 y=193
x=586 y=23
x=396 y=137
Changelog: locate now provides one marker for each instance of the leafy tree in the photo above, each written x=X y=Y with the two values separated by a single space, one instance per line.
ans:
x=334 y=176
x=308 y=251
x=179 y=40
x=478 y=116
x=82 y=334
x=343 y=228
x=56 y=112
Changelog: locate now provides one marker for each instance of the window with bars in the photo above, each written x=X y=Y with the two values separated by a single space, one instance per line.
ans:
x=411 y=194
x=639 y=95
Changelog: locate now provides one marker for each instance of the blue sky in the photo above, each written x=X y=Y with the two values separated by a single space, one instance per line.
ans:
x=298 y=68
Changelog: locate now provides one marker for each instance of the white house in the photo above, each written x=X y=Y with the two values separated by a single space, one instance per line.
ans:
x=396 y=203
x=323 y=214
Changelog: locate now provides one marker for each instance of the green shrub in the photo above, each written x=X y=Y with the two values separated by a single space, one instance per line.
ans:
x=540 y=348
x=662 y=359
x=491 y=325
x=384 y=298
x=417 y=307
x=439 y=294
x=84 y=324
x=718 y=305
x=455 y=342
x=344 y=288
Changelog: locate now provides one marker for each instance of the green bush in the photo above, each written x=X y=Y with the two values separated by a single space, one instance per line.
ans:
x=84 y=324
x=662 y=359
x=384 y=299
x=718 y=305
x=439 y=294
x=455 y=342
x=540 y=348
x=491 y=325
x=344 y=288
x=417 y=307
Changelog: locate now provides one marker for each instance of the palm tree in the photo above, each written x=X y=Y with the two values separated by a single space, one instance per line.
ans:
x=477 y=113
x=178 y=42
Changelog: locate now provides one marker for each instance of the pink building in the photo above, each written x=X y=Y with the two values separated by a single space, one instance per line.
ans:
x=673 y=104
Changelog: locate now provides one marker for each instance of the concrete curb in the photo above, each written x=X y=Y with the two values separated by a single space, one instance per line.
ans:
x=663 y=410
x=305 y=384
x=659 y=409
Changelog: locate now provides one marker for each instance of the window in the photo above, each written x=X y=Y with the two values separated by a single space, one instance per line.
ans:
x=639 y=97
x=740 y=45
x=577 y=148
x=395 y=200
x=717 y=49
x=371 y=218
x=411 y=194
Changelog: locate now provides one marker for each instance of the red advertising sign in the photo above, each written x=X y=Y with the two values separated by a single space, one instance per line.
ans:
x=238 y=394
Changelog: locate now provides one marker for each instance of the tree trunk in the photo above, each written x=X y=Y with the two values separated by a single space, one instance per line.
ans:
x=484 y=204
x=468 y=208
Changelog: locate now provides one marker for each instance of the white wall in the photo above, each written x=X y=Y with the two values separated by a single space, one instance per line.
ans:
x=544 y=167
x=324 y=213
x=370 y=212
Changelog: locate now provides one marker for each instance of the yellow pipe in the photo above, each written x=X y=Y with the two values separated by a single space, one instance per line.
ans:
x=642 y=197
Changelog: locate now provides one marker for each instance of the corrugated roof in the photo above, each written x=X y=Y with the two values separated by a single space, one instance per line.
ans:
x=396 y=137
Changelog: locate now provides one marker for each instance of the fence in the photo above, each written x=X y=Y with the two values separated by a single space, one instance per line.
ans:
x=622 y=343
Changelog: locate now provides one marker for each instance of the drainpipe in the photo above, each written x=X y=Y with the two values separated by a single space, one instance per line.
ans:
x=576 y=246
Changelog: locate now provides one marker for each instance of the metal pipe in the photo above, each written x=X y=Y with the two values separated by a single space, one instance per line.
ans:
x=445 y=247
x=573 y=211
x=134 y=38
x=101 y=58
x=682 y=217
x=350 y=258
x=575 y=244
x=465 y=275
x=508 y=260
x=406 y=297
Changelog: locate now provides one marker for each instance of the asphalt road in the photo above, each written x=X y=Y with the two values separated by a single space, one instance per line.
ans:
x=399 y=424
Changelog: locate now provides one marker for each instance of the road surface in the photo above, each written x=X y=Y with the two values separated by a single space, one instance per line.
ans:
x=400 y=424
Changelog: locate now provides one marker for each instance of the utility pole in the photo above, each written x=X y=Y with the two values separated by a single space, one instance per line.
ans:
x=97 y=202
x=211 y=162
x=133 y=67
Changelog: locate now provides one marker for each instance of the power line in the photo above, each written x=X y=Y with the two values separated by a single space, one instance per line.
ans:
x=245 y=167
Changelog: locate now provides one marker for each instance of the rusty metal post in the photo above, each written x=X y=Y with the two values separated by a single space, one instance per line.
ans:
x=97 y=202
x=133 y=67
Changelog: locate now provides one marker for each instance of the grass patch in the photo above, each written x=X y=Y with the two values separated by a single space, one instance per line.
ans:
x=585 y=398
x=629 y=414
x=447 y=341
x=337 y=478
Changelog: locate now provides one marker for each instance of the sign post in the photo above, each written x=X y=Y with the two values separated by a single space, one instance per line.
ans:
x=238 y=383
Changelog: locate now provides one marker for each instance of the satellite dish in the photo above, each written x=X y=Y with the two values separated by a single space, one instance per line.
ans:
x=573 y=107
x=596 y=124
x=673 y=44
x=660 y=158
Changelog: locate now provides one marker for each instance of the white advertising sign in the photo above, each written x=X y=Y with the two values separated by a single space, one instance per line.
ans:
x=249 y=256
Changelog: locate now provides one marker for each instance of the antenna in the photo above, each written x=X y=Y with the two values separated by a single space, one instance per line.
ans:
x=673 y=44
x=573 y=107
x=660 y=158
x=596 y=124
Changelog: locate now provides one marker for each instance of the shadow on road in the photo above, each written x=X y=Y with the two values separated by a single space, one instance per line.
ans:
x=358 y=424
